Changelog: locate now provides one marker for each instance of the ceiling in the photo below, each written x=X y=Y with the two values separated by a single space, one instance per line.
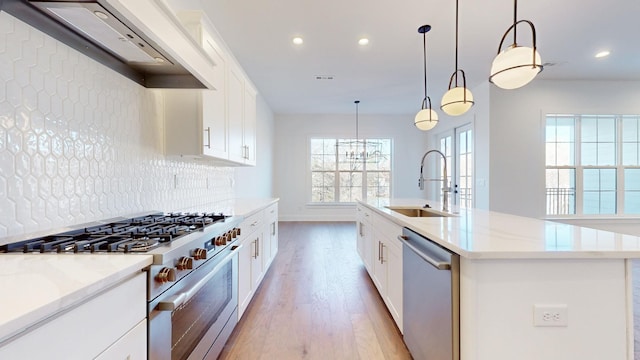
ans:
x=387 y=75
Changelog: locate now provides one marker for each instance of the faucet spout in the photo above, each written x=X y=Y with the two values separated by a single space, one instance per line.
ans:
x=445 y=188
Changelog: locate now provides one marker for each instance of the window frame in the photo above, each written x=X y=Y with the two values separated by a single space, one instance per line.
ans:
x=337 y=171
x=579 y=168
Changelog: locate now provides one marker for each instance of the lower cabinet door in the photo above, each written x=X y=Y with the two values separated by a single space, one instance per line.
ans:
x=394 y=282
x=245 y=257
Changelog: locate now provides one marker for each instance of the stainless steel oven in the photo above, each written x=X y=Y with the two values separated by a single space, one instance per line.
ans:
x=194 y=318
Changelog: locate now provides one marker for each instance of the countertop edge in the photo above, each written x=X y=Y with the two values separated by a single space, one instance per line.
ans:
x=405 y=221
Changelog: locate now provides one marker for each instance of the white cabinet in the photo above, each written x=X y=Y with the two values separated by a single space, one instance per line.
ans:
x=389 y=272
x=365 y=233
x=219 y=124
x=194 y=127
x=245 y=292
x=271 y=234
x=196 y=120
x=111 y=325
x=381 y=252
x=259 y=239
x=241 y=100
x=250 y=270
x=132 y=346
x=250 y=267
x=235 y=101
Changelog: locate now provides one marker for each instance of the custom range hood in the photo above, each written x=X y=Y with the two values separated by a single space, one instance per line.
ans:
x=140 y=39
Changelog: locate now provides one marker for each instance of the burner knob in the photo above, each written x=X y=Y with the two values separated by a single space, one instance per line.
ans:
x=166 y=275
x=199 y=254
x=237 y=231
x=220 y=240
x=185 y=263
x=228 y=237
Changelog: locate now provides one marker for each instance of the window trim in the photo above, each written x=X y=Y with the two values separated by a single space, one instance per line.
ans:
x=579 y=169
x=338 y=204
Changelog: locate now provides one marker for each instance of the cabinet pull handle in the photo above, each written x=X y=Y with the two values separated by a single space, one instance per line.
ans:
x=360 y=229
x=257 y=247
x=381 y=253
x=208 y=130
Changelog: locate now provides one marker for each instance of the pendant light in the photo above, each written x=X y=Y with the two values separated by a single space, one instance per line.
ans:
x=356 y=154
x=458 y=100
x=426 y=118
x=517 y=65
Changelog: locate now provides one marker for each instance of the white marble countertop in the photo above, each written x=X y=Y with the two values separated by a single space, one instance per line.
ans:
x=34 y=287
x=482 y=234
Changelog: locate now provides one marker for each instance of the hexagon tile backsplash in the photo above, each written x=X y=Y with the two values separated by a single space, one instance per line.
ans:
x=79 y=142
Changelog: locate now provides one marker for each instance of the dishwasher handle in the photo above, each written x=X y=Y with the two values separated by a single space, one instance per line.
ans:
x=440 y=265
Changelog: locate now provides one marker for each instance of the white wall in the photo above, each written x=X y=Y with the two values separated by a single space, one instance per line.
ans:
x=291 y=172
x=517 y=137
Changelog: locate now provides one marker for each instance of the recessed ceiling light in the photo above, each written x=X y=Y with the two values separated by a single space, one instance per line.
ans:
x=603 y=53
x=363 y=41
x=297 y=40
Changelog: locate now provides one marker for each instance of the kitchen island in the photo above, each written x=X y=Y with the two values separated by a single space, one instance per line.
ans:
x=511 y=265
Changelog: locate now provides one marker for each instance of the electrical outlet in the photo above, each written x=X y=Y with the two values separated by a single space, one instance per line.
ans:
x=550 y=315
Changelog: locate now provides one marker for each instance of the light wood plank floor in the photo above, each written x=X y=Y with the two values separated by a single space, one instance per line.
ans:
x=316 y=302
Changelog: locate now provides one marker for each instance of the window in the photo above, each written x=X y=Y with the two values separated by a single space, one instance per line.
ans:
x=592 y=164
x=348 y=170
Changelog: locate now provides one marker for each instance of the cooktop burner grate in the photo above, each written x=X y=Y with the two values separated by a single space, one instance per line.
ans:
x=138 y=234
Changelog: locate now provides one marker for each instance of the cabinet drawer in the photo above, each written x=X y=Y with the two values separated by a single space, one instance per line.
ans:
x=252 y=223
x=132 y=346
x=272 y=212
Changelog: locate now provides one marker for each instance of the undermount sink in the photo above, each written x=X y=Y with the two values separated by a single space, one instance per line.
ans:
x=418 y=211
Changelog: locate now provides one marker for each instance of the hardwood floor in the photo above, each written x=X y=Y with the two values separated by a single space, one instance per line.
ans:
x=316 y=302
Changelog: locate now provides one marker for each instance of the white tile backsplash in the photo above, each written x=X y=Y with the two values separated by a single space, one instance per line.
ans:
x=79 y=142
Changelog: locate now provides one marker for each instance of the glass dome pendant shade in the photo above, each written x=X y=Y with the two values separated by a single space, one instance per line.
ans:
x=426 y=118
x=457 y=100
x=517 y=65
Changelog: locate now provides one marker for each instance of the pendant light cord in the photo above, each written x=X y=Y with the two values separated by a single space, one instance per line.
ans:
x=424 y=37
x=515 y=19
x=357 y=102
x=456 y=70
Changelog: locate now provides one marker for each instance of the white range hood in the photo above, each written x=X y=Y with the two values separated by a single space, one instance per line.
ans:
x=140 y=39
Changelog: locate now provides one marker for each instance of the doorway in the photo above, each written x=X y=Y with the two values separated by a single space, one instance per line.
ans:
x=457 y=146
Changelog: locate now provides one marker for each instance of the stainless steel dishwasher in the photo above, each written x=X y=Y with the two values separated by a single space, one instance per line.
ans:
x=431 y=298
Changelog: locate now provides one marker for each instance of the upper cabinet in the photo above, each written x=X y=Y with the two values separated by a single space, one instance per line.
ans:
x=242 y=117
x=219 y=124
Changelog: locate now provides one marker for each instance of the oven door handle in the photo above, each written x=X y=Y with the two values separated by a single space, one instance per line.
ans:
x=173 y=302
